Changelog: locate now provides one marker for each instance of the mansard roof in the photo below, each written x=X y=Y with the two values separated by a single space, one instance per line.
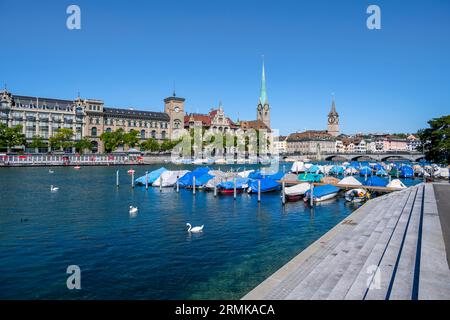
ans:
x=128 y=113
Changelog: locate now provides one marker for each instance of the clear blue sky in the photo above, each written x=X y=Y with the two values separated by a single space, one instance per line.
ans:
x=129 y=53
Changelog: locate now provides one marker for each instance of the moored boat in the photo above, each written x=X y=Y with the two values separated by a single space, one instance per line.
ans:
x=322 y=193
x=357 y=195
x=294 y=193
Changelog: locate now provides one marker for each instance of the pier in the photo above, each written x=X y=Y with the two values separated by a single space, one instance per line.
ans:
x=392 y=248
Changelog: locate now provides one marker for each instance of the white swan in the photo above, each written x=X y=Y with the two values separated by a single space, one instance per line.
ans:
x=195 y=229
x=53 y=189
x=133 y=210
x=51 y=171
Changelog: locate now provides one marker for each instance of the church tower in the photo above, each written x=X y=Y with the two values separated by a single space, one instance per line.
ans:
x=174 y=108
x=263 y=109
x=333 y=120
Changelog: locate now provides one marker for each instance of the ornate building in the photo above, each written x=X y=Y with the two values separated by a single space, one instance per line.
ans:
x=333 y=121
x=88 y=118
x=263 y=108
x=215 y=121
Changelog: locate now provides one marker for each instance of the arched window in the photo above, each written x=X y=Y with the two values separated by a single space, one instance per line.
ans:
x=163 y=135
x=94 y=132
x=153 y=134
x=108 y=130
x=142 y=134
x=176 y=124
x=94 y=146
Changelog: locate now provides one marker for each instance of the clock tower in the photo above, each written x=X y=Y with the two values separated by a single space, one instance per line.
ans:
x=333 y=120
x=174 y=108
x=263 y=109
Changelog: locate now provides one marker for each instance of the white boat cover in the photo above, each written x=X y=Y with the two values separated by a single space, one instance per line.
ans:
x=298 y=189
x=350 y=181
x=219 y=176
x=396 y=183
x=298 y=166
x=244 y=174
x=169 y=178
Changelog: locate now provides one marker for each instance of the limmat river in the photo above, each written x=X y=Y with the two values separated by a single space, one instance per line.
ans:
x=149 y=256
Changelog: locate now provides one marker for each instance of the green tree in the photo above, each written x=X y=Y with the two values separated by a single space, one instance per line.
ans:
x=150 y=145
x=82 y=145
x=131 y=139
x=435 y=140
x=11 y=137
x=112 y=140
x=37 y=142
x=62 y=139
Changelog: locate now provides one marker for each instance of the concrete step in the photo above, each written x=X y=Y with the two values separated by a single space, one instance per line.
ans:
x=308 y=287
x=359 y=286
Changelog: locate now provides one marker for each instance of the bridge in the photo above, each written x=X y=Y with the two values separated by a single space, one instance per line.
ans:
x=388 y=156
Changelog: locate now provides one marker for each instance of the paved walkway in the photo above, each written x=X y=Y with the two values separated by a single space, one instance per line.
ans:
x=442 y=192
x=390 y=248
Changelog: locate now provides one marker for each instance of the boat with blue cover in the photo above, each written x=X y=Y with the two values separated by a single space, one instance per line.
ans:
x=150 y=177
x=267 y=185
x=322 y=193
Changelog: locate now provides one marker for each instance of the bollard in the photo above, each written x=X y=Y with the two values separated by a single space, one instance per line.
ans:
x=193 y=185
x=132 y=179
x=117 y=178
x=259 y=190
x=160 y=183
x=234 y=188
x=215 y=191
x=146 y=180
x=283 y=194
x=178 y=184
x=365 y=176
x=311 y=196
x=390 y=178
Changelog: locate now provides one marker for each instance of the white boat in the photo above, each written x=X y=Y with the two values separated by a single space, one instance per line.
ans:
x=357 y=195
x=296 y=192
x=169 y=178
x=244 y=174
x=322 y=193
x=350 y=181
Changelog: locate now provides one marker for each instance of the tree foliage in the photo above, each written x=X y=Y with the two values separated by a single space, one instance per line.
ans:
x=435 y=140
x=62 y=139
x=83 y=145
x=11 y=137
x=37 y=142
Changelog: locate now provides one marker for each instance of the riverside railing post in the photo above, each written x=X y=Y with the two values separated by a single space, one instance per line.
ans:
x=283 y=195
x=117 y=178
x=311 y=195
x=178 y=184
x=234 y=188
x=259 y=190
x=193 y=185
x=132 y=179
x=146 y=180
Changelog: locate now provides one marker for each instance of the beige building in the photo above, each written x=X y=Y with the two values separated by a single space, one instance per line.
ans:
x=311 y=142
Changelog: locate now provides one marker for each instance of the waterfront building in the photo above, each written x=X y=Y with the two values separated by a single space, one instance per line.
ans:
x=88 y=118
x=280 y=145
x=311 y=142
x=333 y=120
x=215 y=121
x=413 y=143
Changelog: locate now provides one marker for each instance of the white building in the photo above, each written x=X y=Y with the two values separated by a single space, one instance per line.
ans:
x=280 y=145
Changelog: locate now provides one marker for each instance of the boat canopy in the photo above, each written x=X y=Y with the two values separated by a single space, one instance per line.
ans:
x=266 y=185
x=375 y=182
x=324 y=190
x=365 y=170
x=313 y=169
x=298 y=166
x=298 y=189
x=381 y=172
x=350 y=181
x=169 y=178
x=396 y=183
x=407 y=172
x=241 y=183
x=187 y=179
x=310 y=177
x=151 y=176
x=276 y=176
x=336 y=170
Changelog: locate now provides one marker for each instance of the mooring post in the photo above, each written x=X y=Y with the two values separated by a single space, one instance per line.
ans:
x=311 y=196
x=160 y=183
x=390 y=178
x=215 y=190
x=146 y=180
x=234 y=188
x=284 y=168
x=283 y=192
x=259 y=190
x=132 y=179
x=193 y=185
x=365 y=176
x=117 y=178
x=178 y=184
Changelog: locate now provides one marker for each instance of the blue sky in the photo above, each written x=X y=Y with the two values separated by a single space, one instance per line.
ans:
x=129 y=53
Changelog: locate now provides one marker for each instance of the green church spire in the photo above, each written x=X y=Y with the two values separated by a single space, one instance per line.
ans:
x=263 y=96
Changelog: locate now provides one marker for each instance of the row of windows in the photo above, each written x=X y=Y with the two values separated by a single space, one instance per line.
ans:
x=94 y=133
x=134 y=123
x=44 y=106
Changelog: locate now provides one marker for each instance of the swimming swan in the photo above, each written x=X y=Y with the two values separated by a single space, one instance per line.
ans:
x=133 y=210
x=53 y=189
x=195 y=229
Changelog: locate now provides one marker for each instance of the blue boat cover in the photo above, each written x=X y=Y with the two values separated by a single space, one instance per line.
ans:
x=256 y=174
x=313 y=169
x=337 y=170
x=375 y=182
x=266 y=185
x=152 y=176
x=276 y=176
x=355 y=164
x=324 y=190
x=406 y=171
x=229 y=185
x=365 y=170
x=381 y=172
x=187 y=179
x=378 y=167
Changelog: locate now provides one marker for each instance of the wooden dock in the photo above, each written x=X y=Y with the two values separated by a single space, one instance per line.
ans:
x=390 y=248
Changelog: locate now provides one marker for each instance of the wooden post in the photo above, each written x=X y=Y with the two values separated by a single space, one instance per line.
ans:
x=283 y=194
x=193 y=185
x=117 y=178
x=160 y=183
x=311 y=195
x=132 y=179
x=146 y=180
x=234 y=188
x=259 y=190
x=284 y=168
x=215 y=191
x=178 y=184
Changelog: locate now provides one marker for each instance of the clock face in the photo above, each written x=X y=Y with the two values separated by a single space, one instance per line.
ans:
x=259 y=107
x=177 y=109
x=331 y=120
x=266 y=107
